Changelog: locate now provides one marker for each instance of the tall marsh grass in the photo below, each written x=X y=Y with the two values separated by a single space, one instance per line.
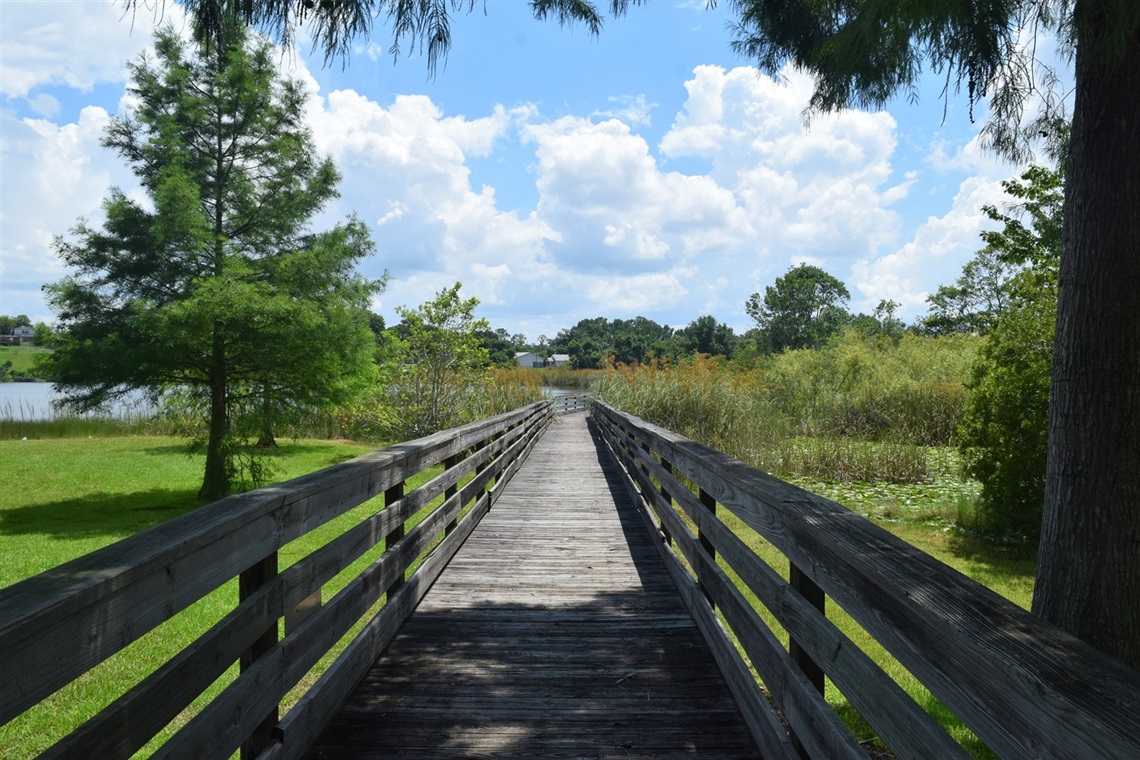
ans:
x=710 y=400
x=564 y=377
x=862 y=409
x=19 y=420
x=850 y=461
x=378 y=416
x=912 y=391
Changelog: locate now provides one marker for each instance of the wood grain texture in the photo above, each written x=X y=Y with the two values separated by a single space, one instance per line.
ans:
x=555 y=632
x=1027 y=689
x=906 y=728
x=56 y=625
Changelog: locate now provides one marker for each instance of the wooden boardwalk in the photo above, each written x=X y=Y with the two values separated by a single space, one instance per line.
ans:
x=555 y=632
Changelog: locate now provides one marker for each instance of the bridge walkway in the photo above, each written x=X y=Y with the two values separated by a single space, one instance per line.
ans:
x=555 y=632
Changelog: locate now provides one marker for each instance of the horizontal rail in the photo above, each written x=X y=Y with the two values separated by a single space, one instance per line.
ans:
x=572 y=402
x=1026 y=688
x=58 y=625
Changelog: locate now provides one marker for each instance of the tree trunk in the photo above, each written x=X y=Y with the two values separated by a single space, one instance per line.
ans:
x=1088 y=576
x=216 y=480
x=266 y=440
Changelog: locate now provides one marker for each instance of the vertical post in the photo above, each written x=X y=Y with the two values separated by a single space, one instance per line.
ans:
x=249 y=581
x=708 y=502
x=665 y=465
x=450 y=491
x=814 y=595
x=392 y=495
x=479 y=468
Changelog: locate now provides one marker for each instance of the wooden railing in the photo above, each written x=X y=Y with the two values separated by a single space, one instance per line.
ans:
x=1025 y=688
x=572 y=402
x=56 y=626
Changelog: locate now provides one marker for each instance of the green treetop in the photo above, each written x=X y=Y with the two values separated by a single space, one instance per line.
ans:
x=216 y=283
x=803 y=309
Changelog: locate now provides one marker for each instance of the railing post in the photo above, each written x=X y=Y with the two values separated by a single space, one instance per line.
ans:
x=665 y=465
x=392 y=495
x=249 y=581
x=708 y=501
x=815 y=596
x=450 y=491
x=479 y=469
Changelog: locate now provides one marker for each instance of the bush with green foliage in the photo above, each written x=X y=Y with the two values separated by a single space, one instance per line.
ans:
x=1005 y=425
x=1004 y=429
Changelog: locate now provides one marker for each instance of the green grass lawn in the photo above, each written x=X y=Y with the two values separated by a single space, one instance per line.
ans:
x=63 y=498
x=23 y=358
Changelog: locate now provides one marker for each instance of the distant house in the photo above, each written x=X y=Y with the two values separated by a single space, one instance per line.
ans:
x=21 y=336
x=530 y=359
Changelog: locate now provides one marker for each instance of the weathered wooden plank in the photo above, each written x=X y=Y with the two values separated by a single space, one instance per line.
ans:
x=61 y=623
x=128 y=723
x=1026 y=688
x=762 y=722
x=227 y=717
x=506 y=658
x=307 y=718
x=811 y=718
x=900 y=722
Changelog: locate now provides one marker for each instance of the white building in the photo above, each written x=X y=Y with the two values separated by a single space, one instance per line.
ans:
x=21 y=336
x=531 y=360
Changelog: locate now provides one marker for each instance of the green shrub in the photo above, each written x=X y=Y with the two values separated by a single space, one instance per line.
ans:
x=1004 y=430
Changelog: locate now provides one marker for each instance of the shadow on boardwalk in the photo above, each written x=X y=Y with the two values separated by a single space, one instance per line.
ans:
x=555 y=632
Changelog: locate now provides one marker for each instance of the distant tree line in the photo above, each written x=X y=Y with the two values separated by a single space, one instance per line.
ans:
x=222 y=289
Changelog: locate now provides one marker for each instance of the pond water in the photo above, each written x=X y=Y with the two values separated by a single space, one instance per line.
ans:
x=33 y=401
x=550 y=392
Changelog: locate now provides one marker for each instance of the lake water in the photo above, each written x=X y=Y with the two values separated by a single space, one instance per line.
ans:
x=33 y=401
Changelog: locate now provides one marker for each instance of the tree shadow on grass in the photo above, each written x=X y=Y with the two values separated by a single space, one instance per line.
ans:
x=120 y=514
x=114 y=515
x=1010 y=558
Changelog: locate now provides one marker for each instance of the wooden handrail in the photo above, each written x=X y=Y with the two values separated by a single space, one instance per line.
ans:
x=1026 y=688
x=56 y=626
x=572 y=402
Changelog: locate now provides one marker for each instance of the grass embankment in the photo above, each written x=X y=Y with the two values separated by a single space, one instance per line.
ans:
x=66 y=497
x=865 y=423
x=23 y=360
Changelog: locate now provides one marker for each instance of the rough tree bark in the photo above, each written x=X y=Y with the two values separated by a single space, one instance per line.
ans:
x=1088 y=577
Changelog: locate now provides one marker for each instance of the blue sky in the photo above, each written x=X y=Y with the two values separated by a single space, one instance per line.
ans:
x=558 y=176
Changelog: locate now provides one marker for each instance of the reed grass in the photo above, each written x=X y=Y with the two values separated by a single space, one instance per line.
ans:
x=19 y=420
x=564 y=377
x=861 y=410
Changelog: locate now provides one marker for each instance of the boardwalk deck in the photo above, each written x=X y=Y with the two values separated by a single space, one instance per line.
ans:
x=555 y=632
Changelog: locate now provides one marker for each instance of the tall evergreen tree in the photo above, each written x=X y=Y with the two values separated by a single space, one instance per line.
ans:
x=216 y=284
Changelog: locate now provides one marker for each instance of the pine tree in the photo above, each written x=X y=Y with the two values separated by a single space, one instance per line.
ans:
x=215 y=285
